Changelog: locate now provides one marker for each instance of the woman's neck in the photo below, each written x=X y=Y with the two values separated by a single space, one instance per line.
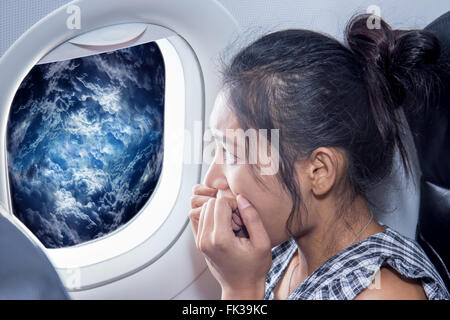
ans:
x=330 y=234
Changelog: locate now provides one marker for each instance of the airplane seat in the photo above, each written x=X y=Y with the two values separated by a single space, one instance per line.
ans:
x=25 y=273
x=432 y=139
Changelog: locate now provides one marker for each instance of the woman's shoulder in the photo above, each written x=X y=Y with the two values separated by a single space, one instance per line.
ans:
x=390 y=285
x=403 y=254
x=386 y=257
x=351 y=271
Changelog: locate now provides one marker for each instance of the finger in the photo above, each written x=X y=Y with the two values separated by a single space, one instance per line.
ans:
x=200 y=225
x=197 y=201
x=252 y=221
x=222 y=217
x=201 y=189
x=208 y=225
x=237 y=218
x=194 y=216
x=221 y=194
x=235 y=226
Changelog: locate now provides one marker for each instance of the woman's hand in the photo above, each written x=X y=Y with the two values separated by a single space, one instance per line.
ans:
x=240 y=265
x=201 y=195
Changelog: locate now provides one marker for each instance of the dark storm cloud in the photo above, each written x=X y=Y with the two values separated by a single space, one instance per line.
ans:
x=85 y=143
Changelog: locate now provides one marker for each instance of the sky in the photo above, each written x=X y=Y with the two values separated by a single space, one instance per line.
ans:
x=85 y=143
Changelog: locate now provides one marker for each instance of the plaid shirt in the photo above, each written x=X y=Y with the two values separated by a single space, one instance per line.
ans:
x=352 y=270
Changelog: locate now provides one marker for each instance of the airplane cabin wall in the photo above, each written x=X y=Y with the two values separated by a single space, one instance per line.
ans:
x=396 y=196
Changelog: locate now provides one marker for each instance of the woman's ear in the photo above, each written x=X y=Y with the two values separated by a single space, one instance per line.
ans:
x=323 y=169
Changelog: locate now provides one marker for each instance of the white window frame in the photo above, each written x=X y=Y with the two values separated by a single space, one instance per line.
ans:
x=153 y=214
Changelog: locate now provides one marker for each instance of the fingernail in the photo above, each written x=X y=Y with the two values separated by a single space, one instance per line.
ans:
x=235 y=226
x=242 y=202
x=236 y=219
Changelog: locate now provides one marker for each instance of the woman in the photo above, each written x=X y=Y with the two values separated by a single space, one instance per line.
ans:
x=311 y=234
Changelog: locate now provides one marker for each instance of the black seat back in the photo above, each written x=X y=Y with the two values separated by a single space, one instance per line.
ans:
x=432 y=139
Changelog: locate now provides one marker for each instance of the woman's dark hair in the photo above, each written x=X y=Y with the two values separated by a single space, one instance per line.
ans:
x=321 y=93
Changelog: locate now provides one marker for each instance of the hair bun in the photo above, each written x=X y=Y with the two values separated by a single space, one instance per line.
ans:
x=370 y=46
x=416 y=47
x=398 y=55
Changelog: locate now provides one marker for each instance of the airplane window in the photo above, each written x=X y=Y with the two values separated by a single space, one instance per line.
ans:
x=85 y=143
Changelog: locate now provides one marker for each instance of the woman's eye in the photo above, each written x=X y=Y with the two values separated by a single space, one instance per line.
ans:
x=230 y=158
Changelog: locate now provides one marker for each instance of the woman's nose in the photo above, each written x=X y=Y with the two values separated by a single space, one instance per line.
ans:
x=215 y=178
